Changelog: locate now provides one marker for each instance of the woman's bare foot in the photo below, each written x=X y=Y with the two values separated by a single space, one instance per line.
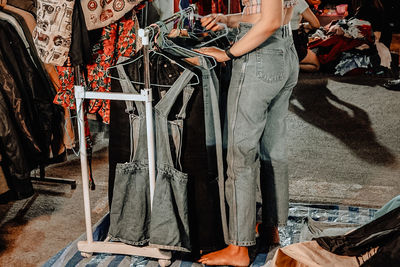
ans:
x=231 y=255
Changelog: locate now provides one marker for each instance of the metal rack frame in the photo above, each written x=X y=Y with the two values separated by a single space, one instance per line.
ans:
x=89 y=246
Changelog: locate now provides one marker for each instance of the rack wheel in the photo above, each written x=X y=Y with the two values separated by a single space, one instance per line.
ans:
x=164 y=263
x=86 y=254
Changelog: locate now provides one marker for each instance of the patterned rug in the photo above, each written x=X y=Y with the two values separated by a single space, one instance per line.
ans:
x=70 y=256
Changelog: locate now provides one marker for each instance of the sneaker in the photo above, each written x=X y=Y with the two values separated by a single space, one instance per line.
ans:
x=393 y=85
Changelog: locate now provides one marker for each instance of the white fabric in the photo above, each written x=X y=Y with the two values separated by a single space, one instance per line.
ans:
x=100 y=13
x=353 y=30
x=297 y=11
x=384 y=54
x=52 y=34
x=164 y=8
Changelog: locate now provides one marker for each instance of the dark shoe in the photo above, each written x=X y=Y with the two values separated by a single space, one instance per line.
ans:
x=393 y=85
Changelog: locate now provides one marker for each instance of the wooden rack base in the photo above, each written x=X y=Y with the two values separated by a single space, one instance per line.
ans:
x=88 y=248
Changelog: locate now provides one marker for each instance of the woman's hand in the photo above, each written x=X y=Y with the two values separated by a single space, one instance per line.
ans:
x=210 y=21
x=215 y=52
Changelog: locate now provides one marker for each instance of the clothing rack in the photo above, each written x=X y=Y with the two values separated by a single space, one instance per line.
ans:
x=89 y=246
x=42 y=173
x=42 y=178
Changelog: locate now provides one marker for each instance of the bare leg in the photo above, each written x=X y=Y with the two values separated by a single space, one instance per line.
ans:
x=310 y=63
x=231 y=255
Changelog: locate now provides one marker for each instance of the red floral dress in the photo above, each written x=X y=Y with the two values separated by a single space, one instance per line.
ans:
x=105 y=54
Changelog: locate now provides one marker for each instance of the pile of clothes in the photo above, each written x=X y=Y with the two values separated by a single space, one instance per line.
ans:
x=349 y=44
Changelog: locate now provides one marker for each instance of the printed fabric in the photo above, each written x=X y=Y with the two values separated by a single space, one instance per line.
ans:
x=52 y=34
x=118 y=39
x=100 y=13
x=206 y=7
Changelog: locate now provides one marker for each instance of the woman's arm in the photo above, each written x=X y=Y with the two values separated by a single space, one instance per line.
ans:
x=309 y=16
x=270 y=20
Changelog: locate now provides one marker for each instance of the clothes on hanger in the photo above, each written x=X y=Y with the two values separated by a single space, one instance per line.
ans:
x=27 y=5
x=100 y=13
x=117 y=39
x=197 y=151
x=31 y=124
x=3 y=182
x=52 y=33
x=167 y=225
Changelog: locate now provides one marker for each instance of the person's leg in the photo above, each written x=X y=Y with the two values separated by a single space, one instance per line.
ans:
x=273 y=161
x=254 y=84
x=310 y=63
x=274 y=170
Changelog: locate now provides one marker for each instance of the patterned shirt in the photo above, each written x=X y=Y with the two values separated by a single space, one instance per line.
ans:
x=254 y=6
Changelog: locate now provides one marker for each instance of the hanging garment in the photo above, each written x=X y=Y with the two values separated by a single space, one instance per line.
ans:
x=11 y=148
x=29 y=94
x=18 y=89
x=131 y=221
x=80 y=50
x=27 y=5
x=28 y=24
x=100 y=13
x=206 y=7
x=52 y=33
x=117 y=39
x=3 y=182
x=203 y=201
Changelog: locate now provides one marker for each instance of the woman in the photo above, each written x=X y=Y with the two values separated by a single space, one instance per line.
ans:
x=308 y=59
x=265 y=70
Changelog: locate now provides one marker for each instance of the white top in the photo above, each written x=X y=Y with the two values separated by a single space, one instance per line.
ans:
x=297 y=11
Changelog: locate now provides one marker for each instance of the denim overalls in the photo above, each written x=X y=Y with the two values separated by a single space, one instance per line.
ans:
x=131 y=221
x=258 y=99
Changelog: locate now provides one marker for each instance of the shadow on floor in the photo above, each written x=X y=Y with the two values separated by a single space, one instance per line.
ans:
x=14 y=225
x=350 y=124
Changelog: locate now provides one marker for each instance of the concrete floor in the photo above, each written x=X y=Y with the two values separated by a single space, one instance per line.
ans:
x=344 y=148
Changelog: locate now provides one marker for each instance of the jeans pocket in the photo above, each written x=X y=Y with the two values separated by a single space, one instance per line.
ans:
x=270 y=64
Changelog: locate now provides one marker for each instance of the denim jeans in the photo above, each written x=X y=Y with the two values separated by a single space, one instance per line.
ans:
x=131 y=221
x=258 y=99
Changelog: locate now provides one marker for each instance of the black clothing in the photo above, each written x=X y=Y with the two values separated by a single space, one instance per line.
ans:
x=300 y=40
x=383 y=232
x=373 y=16
x=34 y=123
x=204 y=210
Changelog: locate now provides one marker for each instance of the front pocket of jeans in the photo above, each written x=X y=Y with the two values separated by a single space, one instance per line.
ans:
x=270 y=65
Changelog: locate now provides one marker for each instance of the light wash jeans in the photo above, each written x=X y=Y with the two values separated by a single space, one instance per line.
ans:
x=167 y=225
x=258 y=99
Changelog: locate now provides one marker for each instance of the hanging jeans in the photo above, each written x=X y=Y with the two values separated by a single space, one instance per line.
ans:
x=131 y=220
x=258 y=99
